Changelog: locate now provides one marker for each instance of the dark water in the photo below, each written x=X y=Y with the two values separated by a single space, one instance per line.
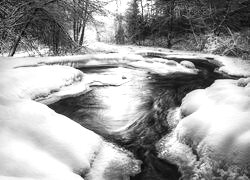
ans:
x=134 y=114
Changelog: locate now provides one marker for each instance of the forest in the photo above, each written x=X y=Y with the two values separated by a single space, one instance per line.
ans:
x=124 y=89
x=214 y=26
x=217 y=26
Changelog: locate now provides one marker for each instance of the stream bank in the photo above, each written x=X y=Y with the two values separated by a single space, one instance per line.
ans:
x=134 y=114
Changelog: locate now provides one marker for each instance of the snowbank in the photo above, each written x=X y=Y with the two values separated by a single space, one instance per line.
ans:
x=38 y=143
x=214 y=132
x=115 y=54
x=155 y=65
x=229 y=65
x=45 y=83
x=163 y=67
x=118 y=164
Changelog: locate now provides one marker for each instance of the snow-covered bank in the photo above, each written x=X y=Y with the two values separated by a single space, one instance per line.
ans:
x=213 y=133
x=39 y=144
x=159 y=66
x=229 y=65
x=28 y=126
x=106 y=54
x=43 y=83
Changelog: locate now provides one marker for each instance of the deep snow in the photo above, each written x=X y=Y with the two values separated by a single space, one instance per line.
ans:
x=37 y=143
x=212 y=139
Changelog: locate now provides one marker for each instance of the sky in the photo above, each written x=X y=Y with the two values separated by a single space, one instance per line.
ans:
x=108 y=29
x=122 y=6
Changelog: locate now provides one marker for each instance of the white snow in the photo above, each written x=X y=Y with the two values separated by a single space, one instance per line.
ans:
x=163 y=68
x=39 y=144
x=188 y=64
x=42 y=83
x=216 y=126
x=118 y=167
x=229 y=65
x=36 y=142
x=156 y=65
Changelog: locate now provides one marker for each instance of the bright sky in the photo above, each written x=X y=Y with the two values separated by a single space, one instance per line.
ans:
x=108 y=21
x=122 y=6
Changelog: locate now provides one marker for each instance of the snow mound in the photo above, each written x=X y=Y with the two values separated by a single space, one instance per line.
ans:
x=234 y=66
x=188 y=64
x=39 y=144
x=219 y=122
x=42 y=83
x=162 y=67
x=36 y=142
x=113 y=163
x=213 y=138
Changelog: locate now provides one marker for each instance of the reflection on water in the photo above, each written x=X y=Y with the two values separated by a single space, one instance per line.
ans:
x=134 y=114
x=107 y=109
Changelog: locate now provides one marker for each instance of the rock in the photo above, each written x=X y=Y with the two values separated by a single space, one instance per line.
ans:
x=188 y=64
x=171 y=63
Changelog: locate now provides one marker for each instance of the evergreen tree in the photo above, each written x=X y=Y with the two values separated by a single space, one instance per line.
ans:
x=133 y=21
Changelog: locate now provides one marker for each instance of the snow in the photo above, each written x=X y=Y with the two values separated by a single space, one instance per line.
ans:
x=36 y=142
x=229 y=65
x=188 y=64
x=39 y=144
x=163 y=68
x=211 y=130
x=118 y=167
x=155 y=65
x=114 y=54
x=216 y=126
x=42 y=82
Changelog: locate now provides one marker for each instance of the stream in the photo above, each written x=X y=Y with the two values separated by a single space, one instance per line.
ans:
x=134 y=114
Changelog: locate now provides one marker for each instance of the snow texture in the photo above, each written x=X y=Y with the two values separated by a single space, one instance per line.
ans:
x=42 y=83
x=213 y=137
x=229 y=65
x=39 y=144
x=114 y=54
x=159 y=66
x=211 y=140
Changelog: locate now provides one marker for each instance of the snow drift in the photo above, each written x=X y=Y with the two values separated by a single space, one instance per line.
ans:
x=39 y=144
x=213 y=137
x=46 y=83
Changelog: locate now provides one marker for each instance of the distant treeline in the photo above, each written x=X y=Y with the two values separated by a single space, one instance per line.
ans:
x=218 y=26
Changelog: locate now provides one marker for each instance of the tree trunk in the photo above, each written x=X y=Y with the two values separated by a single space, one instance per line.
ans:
x=82 y=35
x=17 y=41
x=84 y=22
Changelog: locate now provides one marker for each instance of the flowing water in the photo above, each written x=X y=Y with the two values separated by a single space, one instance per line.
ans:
x=134 y=114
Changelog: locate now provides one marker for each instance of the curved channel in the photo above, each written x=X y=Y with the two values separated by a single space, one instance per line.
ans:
x=134 y=114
